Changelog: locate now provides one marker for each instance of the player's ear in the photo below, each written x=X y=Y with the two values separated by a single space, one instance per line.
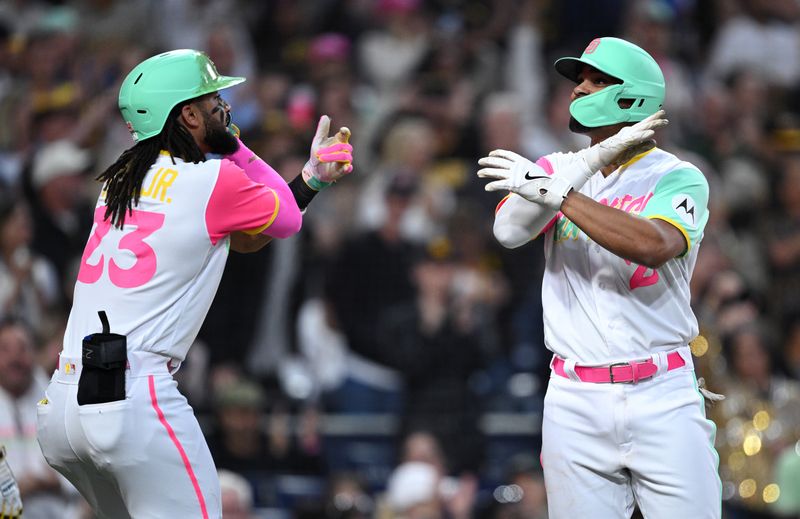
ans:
x=190 y=116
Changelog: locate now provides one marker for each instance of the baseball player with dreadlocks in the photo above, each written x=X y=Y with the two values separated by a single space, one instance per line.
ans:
x=623 y=422
x=113 y=421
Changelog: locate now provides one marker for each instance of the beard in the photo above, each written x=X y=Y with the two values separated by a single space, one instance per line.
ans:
x=576 y=127
x=218 y=139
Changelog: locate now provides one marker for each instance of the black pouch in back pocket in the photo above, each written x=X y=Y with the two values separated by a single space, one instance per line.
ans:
x=105 y=357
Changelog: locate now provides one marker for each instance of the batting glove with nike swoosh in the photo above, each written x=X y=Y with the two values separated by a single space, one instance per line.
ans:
x=517 y=174
x=10 y=501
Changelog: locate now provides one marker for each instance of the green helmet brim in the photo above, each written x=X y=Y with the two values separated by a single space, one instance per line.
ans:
x=219 y=83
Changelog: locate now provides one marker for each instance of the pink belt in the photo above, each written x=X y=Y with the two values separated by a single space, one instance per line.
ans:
x=618 y=372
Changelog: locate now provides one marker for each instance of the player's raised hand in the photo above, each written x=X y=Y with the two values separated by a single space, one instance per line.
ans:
x=331 y=157
x=614 y=148
x=517 y=174
x=10 y=501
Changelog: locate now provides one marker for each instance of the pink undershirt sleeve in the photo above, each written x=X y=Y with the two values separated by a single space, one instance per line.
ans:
x=259 y=171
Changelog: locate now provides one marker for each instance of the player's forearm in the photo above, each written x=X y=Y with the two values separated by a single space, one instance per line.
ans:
x=244 y=243
x=518 y=221
x=288 y=219
x=640 y=240
x=259 y=171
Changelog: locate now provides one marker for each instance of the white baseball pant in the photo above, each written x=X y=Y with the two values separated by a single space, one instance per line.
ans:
x=142 y=457
x=606 y=445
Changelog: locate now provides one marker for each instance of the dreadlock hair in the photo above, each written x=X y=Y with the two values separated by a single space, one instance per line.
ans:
x=123 y=179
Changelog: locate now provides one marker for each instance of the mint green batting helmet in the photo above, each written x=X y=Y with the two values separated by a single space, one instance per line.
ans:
x=642 y=83
x=158 y=84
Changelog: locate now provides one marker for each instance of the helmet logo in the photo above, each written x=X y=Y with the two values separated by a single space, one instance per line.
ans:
x=592 y=46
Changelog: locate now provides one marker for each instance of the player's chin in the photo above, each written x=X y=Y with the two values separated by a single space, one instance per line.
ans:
x=576 y=127
x=220 y=141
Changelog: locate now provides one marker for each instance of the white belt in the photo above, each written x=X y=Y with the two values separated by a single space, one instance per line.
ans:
x=140 y=364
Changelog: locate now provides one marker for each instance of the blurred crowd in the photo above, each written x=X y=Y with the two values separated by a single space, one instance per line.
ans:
x=352 y=371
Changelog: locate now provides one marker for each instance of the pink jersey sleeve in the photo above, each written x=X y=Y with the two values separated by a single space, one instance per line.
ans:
x=259 y=171
x=237 y=203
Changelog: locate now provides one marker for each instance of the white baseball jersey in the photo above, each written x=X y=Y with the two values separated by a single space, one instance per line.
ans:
x=156 y=277
x=608 y=446
x=600 y=308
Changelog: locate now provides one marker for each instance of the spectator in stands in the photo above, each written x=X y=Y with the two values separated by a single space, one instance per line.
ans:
x=62 y=213
x=791 y=347
x=759 y=417
x=783 y=239
x=29 y=286
x=417 y=490
x=389 y=55
x=45 y=494
x=524 y=496
x=237 y=496
x=246 y=443
x=413 y=492
x=372 y=273
x=407 y=161
x=768 y=29
x=347 y=498
x=436 y=343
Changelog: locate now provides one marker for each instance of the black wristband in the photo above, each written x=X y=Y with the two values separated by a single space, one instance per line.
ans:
x=303 y=194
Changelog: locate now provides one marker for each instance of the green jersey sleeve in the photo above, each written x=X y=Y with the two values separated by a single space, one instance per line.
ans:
x=681 y=199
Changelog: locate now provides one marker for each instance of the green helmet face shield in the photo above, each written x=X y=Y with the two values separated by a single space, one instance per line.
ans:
x=156 y=85
x=641 y=89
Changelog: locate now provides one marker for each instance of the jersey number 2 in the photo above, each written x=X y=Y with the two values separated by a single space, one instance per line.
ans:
x=640 y=278
x=142 y=270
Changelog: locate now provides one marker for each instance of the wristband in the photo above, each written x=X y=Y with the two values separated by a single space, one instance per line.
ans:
x=303 y=193
x=315 y=183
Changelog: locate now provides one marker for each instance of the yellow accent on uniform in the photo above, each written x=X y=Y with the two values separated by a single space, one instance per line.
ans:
x=635 y=159
x=259 y=230
x=677 y=226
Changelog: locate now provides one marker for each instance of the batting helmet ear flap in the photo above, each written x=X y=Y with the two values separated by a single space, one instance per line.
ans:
x=607 y=107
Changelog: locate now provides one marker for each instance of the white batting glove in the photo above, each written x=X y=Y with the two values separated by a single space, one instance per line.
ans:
x=517 y=174
x=331 y=157
x=10 y=501
x=605 y=152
